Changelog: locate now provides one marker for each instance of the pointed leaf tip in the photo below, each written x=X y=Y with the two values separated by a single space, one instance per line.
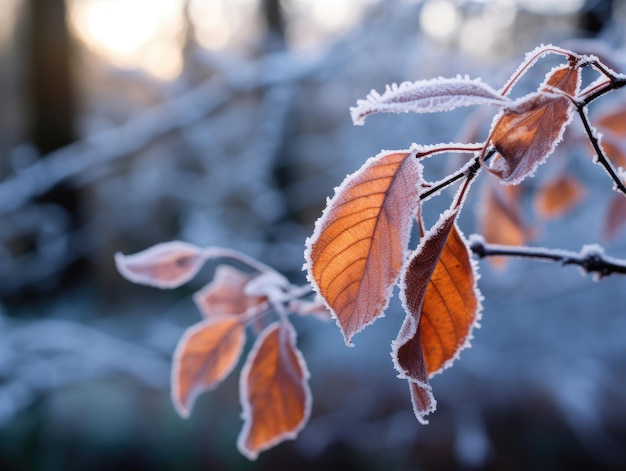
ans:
x=166 y=265
x=357 y=250
x=274 y=391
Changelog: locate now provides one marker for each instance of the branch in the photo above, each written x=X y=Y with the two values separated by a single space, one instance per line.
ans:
x=468 y=171
x=591 y=258
x=601 y=157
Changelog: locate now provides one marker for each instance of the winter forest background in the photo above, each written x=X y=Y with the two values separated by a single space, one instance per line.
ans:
x=125 y=123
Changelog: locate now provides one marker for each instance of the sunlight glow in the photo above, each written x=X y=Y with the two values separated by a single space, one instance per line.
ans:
x=8 y=15
x=225 y=23
x=132 y=33
x=440 y=19
x=312 y=22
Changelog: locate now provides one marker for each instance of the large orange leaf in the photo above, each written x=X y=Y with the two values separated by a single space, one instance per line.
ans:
x=527 y=132
x=165 y=265
x=274 y=391
x=358 y=247
x=558 y=196
x=226 y=293
x=206 y=353
x=442 y=304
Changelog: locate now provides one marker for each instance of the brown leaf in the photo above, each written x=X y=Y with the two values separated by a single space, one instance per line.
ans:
x=205 y=355
x=614 y=121
x=442 y=305
x=615 y=217
x=274 y=391
x=558 y=197
x=166 y=265
x=526 y=133
x=500 y=218
x=358 y=248
x=226 y=293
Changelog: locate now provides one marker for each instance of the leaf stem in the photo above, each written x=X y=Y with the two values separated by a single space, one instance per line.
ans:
x=591 y=258
x=471 y=169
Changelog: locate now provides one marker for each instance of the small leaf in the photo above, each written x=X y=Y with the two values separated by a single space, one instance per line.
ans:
x=527 y=132
x=205 y=355
x=558 y=197
x=358 y=247
x=274 y=391
x=166 y=265
x=500 y=219
x=442 y=304
x=226 y=293
x=315 y=307
x=427 y=96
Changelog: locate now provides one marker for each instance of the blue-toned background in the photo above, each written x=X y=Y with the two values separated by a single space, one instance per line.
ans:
x=125 y=123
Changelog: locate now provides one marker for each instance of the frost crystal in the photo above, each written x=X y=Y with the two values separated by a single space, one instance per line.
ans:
x=427 y=96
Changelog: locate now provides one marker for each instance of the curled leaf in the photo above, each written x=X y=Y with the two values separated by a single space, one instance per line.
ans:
x=558 y=196
x=166 y=265
x=427 y=96
x=274 y=391
x=528 y=131
x=205 y=355
x=226 y=294
x=442 y=304
x=357 y=250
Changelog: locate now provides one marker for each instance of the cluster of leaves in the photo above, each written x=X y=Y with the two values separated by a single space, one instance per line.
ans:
x=360 y=250
x=274 y=390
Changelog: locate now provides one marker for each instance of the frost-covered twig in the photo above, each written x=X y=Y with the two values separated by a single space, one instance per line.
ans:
x=591 y=258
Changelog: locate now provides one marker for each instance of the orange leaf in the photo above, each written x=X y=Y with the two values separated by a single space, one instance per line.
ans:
x=226 y=293
x=616 y=216
x=205 y=355
x=274 y=391
x=526 y=133
x=358 y=248
x=500 y=218
x=558 y=197
x=614 y=122
x=166 y=265
x=442 y=305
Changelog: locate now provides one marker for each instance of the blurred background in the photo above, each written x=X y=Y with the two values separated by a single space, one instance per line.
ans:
x=125 y=123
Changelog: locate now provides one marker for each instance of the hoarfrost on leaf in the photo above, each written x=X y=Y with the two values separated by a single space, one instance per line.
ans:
x=427 y=96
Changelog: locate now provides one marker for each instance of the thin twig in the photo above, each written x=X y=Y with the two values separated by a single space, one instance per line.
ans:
x=601 y=156
x=591 y=258
x=466 y=171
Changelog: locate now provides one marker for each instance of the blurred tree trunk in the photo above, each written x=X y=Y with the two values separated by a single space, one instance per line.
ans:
x=594 y=15
x=50 y=86
x=275 y=23
x=50 y=94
